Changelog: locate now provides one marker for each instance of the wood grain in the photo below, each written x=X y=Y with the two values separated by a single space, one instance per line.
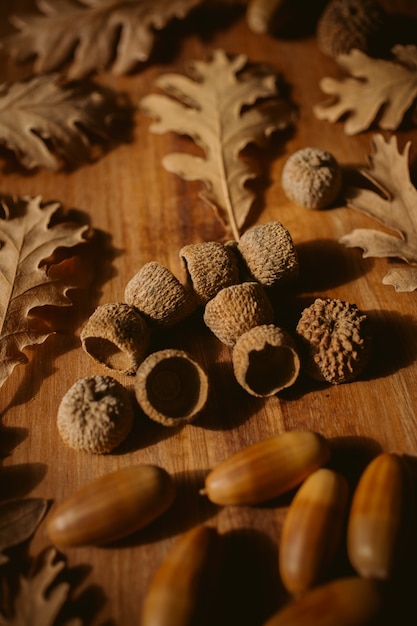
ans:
x=139 y=213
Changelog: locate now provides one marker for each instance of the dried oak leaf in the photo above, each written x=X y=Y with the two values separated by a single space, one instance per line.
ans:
x=218 y=106
x=92 y=34
x=40 y=598
x=380 y=91
x=394 y=205
x=18 y=521
x=27 y=280
x=40 y=117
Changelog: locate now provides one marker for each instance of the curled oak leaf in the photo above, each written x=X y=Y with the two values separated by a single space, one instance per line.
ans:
x=41 y=116
x=27 y=281
x=218 y=107
x=39 y=598
x=92 y=34
x=18 y=521
x=393 y=204
x=379 y=92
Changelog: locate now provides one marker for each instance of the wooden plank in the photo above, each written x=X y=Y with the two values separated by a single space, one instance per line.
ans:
x=141 y=213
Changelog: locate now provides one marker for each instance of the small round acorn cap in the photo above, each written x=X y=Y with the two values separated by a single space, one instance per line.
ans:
x=171 y=387
x=95 y=415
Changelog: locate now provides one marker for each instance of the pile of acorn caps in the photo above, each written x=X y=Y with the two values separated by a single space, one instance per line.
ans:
x=321 y=516
x=231 y=284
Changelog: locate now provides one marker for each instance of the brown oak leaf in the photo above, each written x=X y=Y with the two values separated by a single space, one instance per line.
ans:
x=217 y=105
x=92 y=34
x=39 y=598
x=41 y=117
x=18 y=521
x=378 y=92
x=27 y=280
x=393 y=204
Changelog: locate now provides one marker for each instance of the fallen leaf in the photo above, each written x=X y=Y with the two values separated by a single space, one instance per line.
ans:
x=18 y=521
x=40 y=598
x=40 y=117
x=217 y=105
x=92 y=34
x=393 y=204
x=380 y=91
x=26 y=281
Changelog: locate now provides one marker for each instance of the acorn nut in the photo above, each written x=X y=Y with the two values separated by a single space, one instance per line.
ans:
x=182 y=588
x=237 y=309
x=266 y=469
x=210 y=266
x=112 y=506
x=265 y=360
x=269 y=255
x=312 y=530
x=343 y=602
x=159 y=296
x=117 y=336
x=376 y=517
x=171 y=387
x=95 y=415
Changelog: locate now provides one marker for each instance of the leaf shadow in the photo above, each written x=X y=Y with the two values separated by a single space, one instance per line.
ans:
x=16 y=481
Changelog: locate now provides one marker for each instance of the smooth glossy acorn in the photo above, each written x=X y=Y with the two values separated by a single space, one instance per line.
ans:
x=181 y=590
x=266 y=469
x=112 y=506
x=376 y=517
x=312 y=530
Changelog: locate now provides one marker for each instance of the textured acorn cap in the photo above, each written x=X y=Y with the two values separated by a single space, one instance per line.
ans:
x=348 y=24
x=210 y=266
x=95 y=415
x=265 y=360
x=335 y=337
x=312 y=178
x=117 y=336
x=171 y=387
x=269 y=254
x=237 y=309
x=159 y=295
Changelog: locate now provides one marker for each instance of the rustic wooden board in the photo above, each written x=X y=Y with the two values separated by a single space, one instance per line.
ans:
x=142 y=213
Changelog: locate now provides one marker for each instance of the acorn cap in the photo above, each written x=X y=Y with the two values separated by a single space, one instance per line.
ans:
x=210 y=266
x=95 y=415
x=171 y=387
x=237 y=309
x=269 y=254
x=117 y=336
x=159 y=295
x=265 y=360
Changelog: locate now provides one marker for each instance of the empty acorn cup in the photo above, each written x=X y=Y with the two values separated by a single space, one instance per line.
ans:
x=171 y=387
x=265 y=360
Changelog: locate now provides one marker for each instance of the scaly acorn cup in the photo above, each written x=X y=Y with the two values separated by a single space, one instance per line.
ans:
x=112 y=506
x=171 y=387
x=182 y=588
x=343 y=602
x=266 y=469
x=312 y=530
x=376 y=517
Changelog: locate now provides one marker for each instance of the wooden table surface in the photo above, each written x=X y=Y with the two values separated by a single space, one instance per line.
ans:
x=139 y=212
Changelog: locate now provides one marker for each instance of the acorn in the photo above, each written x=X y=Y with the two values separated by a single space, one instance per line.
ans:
x=376 y=517
x=210 y=266
x=237 y=309
x=161 y=298
x=312 y=530
x=182 y=588
x=265 y=360
x=171 y=387
x=112 y=506
x=343 y=602
x=266 y=469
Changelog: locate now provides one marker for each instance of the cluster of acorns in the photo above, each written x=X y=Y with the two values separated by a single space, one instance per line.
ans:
x=375 y=519
x=230 y=282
